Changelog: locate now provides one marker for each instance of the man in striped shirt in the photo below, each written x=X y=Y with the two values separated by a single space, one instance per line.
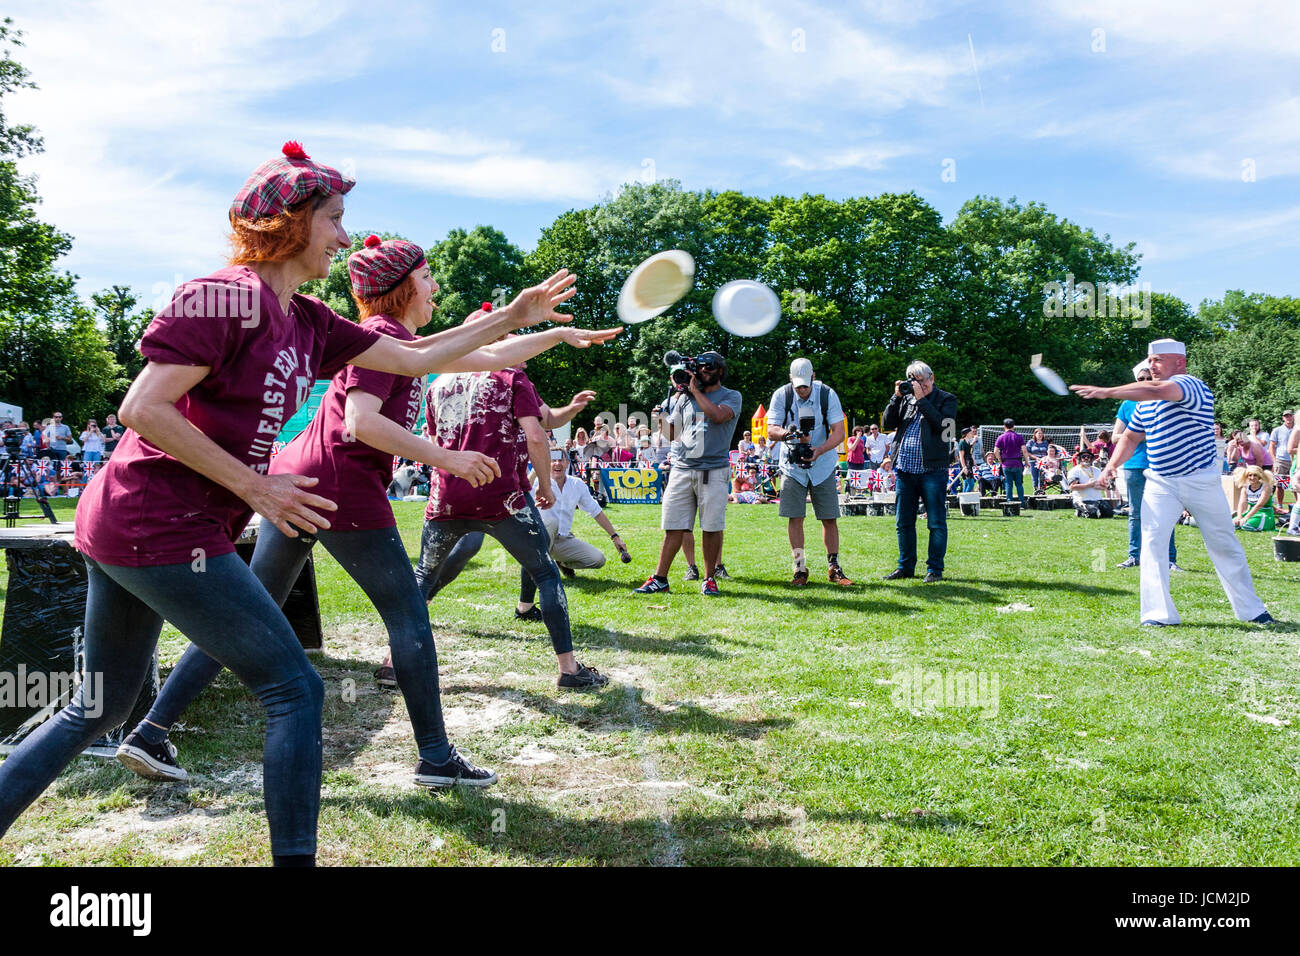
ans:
x=1175 y=415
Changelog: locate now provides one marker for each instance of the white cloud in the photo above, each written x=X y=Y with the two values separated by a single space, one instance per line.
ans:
x=1186 y=238
x=865 y=157
x=750 y=57
x=501 y=176
x=1183 y=28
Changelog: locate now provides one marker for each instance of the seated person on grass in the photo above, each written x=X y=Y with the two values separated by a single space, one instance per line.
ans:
x=884 y=477
x=1086 y=487
x=749 y=489
x=1254 y=511
x=989 y=475
x=1049 y=468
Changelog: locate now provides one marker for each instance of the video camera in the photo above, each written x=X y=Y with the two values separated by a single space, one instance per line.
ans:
x=682 y=367
x=13 y=440
x=800 y=441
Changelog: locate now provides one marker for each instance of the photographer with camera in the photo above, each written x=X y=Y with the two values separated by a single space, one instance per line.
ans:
x=806 y=418
x=701 y=415
x=923 y=417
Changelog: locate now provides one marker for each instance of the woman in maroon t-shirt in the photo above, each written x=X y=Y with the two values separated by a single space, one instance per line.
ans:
x=230 y=359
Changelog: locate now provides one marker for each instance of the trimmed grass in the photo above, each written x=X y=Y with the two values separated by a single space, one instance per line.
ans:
x=771 y=726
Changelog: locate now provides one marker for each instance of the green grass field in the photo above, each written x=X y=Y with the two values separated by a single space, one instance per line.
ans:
x=772 y=726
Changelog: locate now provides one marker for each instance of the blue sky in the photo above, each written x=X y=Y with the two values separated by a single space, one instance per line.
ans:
x=1174 y=125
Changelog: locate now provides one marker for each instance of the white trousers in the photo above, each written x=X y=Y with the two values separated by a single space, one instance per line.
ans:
x=572 y=552
x=1201 y=495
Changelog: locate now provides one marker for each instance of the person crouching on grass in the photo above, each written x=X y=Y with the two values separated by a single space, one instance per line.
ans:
x=364 y=421
x=230 y=359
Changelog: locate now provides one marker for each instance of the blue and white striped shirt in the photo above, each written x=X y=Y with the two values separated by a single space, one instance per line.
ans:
x=1180 y=435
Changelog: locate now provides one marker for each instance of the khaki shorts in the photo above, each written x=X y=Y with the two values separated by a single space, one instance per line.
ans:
x=687 y=493
x=794 y=499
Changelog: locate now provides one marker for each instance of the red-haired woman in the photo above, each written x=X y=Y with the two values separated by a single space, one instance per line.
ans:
x=230 y=359
x=365 y=419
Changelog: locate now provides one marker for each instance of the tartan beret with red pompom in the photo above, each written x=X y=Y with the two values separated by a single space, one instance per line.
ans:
x=286 y=181
x=380 y=265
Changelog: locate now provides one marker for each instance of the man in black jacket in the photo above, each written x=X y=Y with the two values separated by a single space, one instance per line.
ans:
x=925 y=419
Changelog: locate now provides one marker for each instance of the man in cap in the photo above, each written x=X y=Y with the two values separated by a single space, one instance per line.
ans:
x=1175 y=416
x=1135 y=478
x=702 y=416
x=809 y=471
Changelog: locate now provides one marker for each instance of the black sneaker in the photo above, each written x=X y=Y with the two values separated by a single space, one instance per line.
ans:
x=534 y=613
x=456 y=772
x=933 y=576
x=692 y=573
x=152 y=761
x=1128 y=563
x=585 y=679
x=567 y=571
x=386 y=677
x=720 y=572
x=1264 y=618
x=652 y=586
x=898 y=574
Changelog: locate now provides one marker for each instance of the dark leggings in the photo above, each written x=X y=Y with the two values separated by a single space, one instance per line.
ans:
x=220 y=606
x=525 y=537
x=377 y=561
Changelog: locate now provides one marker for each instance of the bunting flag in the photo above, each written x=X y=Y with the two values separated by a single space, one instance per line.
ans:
x=65 y=468
x=860 y=479
x=44 y=471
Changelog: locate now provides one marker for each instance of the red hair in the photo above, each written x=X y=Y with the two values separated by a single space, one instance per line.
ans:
x=276 y=238
x=392 y=303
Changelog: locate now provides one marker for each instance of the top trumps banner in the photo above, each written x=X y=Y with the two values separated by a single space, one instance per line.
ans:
x=632 y=486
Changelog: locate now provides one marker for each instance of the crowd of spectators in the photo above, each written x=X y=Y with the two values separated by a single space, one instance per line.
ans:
x=49 y=458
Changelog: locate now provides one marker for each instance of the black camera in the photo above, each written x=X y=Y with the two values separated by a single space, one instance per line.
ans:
x=907 y=387
x=800 y=439
x=13 y=440
x=682 y=367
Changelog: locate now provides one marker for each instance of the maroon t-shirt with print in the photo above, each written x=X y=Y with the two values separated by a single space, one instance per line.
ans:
x=480 y=411
x=146 y=508
x=352 y=474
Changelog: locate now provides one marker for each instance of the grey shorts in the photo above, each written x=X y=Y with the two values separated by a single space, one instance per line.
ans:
x=794 y=499
x=688 y=492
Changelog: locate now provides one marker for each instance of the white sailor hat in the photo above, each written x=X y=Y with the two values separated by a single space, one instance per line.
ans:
x=1166 y=347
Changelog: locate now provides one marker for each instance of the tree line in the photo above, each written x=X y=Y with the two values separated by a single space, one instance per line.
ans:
x=867 y=284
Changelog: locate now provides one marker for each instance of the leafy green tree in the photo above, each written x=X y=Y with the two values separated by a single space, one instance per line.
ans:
x=1252 y=362
x=54 y=354
x=995 y=318
x=471 y=268
x=122 y=329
